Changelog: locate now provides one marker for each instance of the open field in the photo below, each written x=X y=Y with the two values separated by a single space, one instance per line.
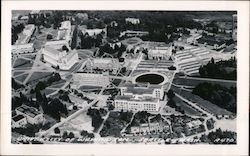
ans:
x=38 y=75
x=48 y=91
x=187 y=108
x=21 y=78
x=19 y=62
x=17 y=73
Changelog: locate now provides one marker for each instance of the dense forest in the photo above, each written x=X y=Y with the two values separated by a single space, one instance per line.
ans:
x=217 y=94
x=220 y=70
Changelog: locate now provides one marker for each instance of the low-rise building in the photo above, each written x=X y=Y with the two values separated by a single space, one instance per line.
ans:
x=132 y=33
x=64 y=32
x=103 y=63
x=194 y=124
x=146 y=128
x=93 y=32
x=62 y=59
x=77 y=100
x=160 y=53
x=26 y=34
x=132 y=20
x=18 y=121
x=90 y=79
x=22 y=48
x=211 y=42
x=32 y=115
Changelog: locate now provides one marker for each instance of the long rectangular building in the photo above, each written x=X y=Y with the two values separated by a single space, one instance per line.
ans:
x=90 y=79
x=62 y=59
x=22 y=48
x=140 y=97
x=131 y=103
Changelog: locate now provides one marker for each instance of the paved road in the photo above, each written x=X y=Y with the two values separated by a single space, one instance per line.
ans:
x=208 y=79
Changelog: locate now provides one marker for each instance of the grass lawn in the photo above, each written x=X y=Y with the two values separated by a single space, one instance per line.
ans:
x=19 y=62
x=116 y=82
x=17 y=73
x=30 y=56
x=90 y=88
x=21 y=78
x=39 y=75
x=187 y=108
x=57 y=84
x=48 y=91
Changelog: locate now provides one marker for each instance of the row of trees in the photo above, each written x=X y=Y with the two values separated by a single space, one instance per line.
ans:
x=115 y=122
x=15 y=85
x=116 y=51
x=15 y=30
x=87 y=42
x=96 y=118
x=55 y=18
x=219 y=137
x=220 y=70
x=158 y=24
x=217 y=94
x=172 y=103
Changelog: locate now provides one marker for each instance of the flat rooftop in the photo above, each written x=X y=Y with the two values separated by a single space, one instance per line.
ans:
x=139 y=99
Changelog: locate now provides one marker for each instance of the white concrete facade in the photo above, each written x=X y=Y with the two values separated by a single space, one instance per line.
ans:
x=132 y=20
x=32 y=115
x=64 y=32
x=62 y=59
x=139 y=98
x=90 y=79
x=128 y=103
x=160 y=53
x=103 y=63
x=22 y=48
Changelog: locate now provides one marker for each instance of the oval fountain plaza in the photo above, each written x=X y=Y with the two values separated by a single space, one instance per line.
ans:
x=154 y=78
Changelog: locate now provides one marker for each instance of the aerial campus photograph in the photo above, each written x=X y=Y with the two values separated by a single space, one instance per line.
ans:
x=123 y=77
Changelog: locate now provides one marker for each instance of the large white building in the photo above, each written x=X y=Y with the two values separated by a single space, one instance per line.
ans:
x=132 y=20
x=93 y=32
x=62 y=59
x=160 y=53
x=142 y=90
x=25 y=36
x=64 y=32
x=89 y=79
x=57 y=44
x=136 y=103
x=132 y=33
x=22 y=48
x=141 y=97
x=103 y=63
x=26 y=114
